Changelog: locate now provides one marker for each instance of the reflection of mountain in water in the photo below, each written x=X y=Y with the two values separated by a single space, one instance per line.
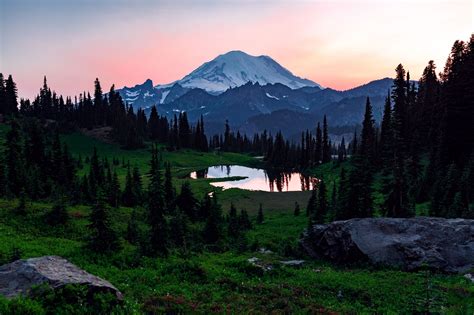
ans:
x=257 y=179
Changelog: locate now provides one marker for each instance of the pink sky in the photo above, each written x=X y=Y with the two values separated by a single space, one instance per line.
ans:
x=338 y=43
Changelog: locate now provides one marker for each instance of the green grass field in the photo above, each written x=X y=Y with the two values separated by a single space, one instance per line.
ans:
x=225 y=282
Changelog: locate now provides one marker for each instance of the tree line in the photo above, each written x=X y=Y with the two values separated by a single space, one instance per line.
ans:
x=128 y=127
x=421 y=153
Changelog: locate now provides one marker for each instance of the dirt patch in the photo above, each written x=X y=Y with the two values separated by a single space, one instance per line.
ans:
x=103 y=134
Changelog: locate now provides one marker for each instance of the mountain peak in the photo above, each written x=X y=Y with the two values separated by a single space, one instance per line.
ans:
x=236 y=68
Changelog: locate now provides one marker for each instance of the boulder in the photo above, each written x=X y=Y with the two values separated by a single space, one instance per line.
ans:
x=409 y=243
x=18 y=277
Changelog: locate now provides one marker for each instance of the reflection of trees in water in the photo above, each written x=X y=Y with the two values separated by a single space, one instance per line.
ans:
x=222 y=167
x=201 y=173
x=280 y=180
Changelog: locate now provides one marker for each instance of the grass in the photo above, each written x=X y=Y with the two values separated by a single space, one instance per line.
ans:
x=208 y=282
x=184 y=162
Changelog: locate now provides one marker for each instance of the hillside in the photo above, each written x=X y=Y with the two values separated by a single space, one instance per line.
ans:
x=182 y=281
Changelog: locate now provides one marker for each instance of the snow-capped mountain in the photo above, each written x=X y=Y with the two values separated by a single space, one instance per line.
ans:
x=230 y=70
x=146 y=95
x=237 y=68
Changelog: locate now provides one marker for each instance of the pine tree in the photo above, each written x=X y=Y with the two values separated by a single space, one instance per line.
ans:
x=318 y=153
x=98 y=100
x=103 y=238
x=187 y=202
x=180 y=228
x=399 y=96
x=244 y=221
x=158 y=240
x=333 y=204
x=326 y=146
x=137 y=185
x=341 y=152
x=128 y=196
x=133 y=233
x=14 y=160
x=312 y=206
x=58 y=214
x=233 y=228
x=321 y=207
x=153 y=125
x=386 y=135
x=114 y=190
x=342 y=210
x=367 y=142
x=212 y=230
x=11 y=97
x=170 y=193
x=260 y=218
x=3 y=104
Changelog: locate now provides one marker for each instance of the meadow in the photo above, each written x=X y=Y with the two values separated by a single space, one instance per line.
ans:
x=223 y=282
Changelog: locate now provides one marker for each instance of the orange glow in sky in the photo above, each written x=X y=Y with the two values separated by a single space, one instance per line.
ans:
x=338 y=44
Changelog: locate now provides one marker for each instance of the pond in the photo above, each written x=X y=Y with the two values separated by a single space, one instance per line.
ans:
x=255 y=179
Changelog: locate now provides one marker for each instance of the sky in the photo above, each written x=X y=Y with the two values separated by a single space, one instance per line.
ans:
x=336 y=43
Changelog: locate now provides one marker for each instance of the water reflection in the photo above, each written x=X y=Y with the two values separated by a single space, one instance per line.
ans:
x=256 y=179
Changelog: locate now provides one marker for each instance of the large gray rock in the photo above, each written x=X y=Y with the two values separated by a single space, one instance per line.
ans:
x=441 y=244
x=18 y=277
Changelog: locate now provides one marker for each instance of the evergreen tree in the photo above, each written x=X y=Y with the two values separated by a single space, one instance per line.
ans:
x=114 y=190
x=212 y=230
x=179 y=226
x=321 y=207
x=128 y=196
x=326 y=146
x=14 y=160
x=158 y=240
x=367 y=142
x=312 y=206
x=58 y=214
x=318 y=153
x=187 y=202
x=170 y=193
x=103 y=238
x=137 y=185
x=333 y=204
x=386 y=135
x=399 y=96
x=3 y=104
x=244 y=221
x=154 y=125
x=10 y=97
x=233 y=227
x=133 y=233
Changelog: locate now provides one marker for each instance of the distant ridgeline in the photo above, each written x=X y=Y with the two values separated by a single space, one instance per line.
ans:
x=422 y=148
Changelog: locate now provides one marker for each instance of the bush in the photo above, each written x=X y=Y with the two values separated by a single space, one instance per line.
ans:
x=20 y=305
x=187 y=271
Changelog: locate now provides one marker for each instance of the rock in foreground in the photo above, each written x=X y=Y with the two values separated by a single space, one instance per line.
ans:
x=18 y=277
x=441 y=244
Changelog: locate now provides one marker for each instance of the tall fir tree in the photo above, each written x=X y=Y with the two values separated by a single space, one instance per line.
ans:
x=158 y=238
x=103 y=238
x=326 y=145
